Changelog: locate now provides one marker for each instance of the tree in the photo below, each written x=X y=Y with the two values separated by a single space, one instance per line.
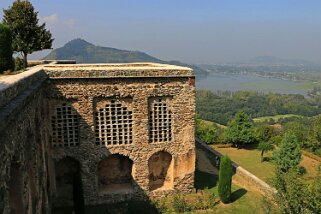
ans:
x=289 y=154
x=240 y=130
x=314 y=137
x=265 y=132
x=296 y=194
x=290 y=194
x=28 y=36
x=314 y=195
x=225 y=179
x=207 y=132
x=265 y=147
x=6 y=62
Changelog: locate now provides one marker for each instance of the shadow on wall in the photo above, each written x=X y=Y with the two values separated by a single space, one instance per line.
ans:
x=114 y=176
x=114 y=172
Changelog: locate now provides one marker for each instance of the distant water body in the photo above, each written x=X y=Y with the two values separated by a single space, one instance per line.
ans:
x=222 y=82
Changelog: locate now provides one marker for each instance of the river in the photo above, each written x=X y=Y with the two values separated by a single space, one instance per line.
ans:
x=225 y=82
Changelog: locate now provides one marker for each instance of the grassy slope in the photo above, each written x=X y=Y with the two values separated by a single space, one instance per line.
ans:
x=275 y=117
x=210 y=122
x=244 y=201
x=250 y=160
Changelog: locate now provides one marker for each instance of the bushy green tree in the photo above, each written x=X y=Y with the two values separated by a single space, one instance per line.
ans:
x=265 y=147
x=299 y=129
x=28 y=35
x=207 y=132
x=240 y=130
x=289 y=154
x=295 y=194
x=314 y=195
x=314 y=136
x=225 y=179
x=6 y=62
x=265 y=132
x=290 y=194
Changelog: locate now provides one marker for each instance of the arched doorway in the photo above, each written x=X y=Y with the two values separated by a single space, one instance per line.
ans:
x=69 y=184
x=16 y=188
x=115 y=174
x=160 y=171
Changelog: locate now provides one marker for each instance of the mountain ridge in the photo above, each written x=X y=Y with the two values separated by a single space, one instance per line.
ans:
x=85 y=52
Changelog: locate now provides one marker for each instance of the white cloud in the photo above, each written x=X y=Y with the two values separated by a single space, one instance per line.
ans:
x=52 y=19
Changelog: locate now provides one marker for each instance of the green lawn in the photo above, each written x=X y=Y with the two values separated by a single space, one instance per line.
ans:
x=250 y=160
x=243 y=201
x=274 y=118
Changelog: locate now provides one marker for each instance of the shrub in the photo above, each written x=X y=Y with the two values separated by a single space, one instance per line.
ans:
x=225 y=179
x=180 y=204
x=5 y=48
x=18 y=64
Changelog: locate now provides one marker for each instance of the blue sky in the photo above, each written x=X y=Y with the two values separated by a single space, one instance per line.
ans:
x=204 y=31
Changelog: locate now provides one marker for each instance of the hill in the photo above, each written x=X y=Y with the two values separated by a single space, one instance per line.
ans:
x=85 y=52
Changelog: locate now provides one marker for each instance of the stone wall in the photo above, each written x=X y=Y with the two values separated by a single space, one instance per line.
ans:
x=24 y=149
x=87 y=96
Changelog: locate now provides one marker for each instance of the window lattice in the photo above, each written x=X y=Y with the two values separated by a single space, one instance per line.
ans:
x=160 y=120
x=114 y=124
x=65 y=130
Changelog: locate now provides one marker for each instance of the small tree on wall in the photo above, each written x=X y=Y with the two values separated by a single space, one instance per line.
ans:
x=28 y=36
x=225 y=179
x=6 y=62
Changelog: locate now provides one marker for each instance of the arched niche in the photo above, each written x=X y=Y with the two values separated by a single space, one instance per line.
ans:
x=115 y=174
x=160 y=169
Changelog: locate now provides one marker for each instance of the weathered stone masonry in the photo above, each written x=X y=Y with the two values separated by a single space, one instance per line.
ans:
x=127 y=130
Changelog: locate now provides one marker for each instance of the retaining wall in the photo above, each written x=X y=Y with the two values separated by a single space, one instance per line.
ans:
x=247 y=177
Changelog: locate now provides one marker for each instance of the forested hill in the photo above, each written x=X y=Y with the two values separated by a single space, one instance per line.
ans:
x=85 y=52
x=221 y=107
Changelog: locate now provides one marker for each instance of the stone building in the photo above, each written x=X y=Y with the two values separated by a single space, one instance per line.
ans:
x=104 y=132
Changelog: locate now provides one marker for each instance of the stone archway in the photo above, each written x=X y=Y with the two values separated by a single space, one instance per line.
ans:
x=68 y=183
x=115 y=174
x=160 y=171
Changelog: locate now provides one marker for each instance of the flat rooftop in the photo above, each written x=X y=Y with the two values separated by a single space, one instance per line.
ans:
x=12 y=85
x=115 y=70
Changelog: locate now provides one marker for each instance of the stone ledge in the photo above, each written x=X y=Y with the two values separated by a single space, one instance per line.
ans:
x=116 y=70
x=12 y=86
